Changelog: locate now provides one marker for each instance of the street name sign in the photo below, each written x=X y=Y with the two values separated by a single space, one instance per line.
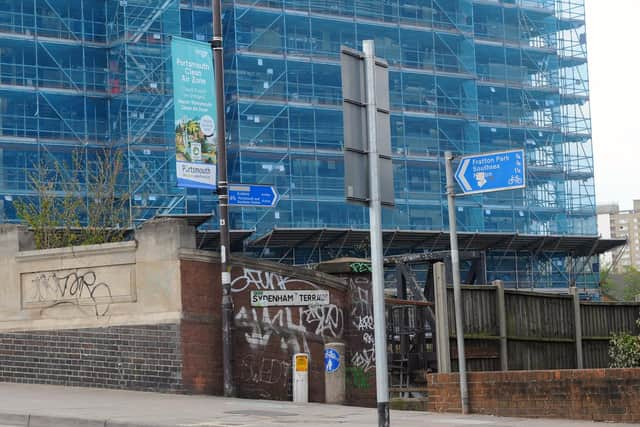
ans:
x=258 y=196
x=288 y=298
x=482 y=173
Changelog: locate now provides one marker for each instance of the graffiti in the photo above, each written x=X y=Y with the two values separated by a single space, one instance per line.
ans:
x=358 y=377
x=362 y=320
x=328 y=319
x=263 y=324
x=264 y=370
x=292 y=326
x=365 y=323
x=364 y=359
x=367 y=338
x=360 y=300
x=360 y=267
x=79 y=289
x=281 y=323
x=264 y=280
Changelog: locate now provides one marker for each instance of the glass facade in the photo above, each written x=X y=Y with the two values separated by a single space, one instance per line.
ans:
x=465 y=75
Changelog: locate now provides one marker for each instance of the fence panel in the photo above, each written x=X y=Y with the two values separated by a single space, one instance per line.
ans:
x=540 y=329
x=599 y=322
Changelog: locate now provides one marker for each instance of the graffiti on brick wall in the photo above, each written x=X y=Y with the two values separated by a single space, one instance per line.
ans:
x=293 y=327
x=252 y=279
x=362 y=320
x=266 y=323
x=73 y=288
x=328 y=320
x=258 y=370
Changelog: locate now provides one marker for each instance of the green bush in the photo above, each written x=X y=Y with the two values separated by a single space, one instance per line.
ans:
x=624 y=350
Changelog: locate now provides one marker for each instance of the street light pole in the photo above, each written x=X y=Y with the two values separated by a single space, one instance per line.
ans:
x=455 y=269
x=223 y=204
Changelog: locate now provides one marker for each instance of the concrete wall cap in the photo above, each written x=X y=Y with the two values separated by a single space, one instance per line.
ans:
x=77 y=251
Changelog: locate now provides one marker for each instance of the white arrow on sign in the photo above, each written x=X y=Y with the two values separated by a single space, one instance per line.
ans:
x=460 y=175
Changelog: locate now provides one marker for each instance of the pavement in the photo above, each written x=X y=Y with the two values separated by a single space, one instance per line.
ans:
x=27 y=405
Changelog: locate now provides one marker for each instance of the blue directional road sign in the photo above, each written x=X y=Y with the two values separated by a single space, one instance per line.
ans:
x=258 y=196
x=482 y=173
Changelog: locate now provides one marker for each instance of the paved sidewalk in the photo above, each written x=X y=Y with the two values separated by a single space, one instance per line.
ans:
x=24 y=405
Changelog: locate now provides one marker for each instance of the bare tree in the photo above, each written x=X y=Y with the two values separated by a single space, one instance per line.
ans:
x=80 y=203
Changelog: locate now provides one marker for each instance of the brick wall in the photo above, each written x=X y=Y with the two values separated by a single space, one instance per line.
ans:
x=591 y=394
x=359 y=334
x=143 y=358
x=201 y=335
x=266 y=339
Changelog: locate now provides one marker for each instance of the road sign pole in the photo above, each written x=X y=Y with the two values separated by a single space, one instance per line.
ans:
x=375 y=219
x=457 y=292
x=223 y=204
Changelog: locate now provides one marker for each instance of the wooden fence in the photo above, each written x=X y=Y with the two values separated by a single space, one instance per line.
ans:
x=540 y=331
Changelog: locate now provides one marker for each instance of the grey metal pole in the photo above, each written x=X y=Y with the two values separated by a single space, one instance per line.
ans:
x=457 y=292
x=223 y=204
x=377 y=261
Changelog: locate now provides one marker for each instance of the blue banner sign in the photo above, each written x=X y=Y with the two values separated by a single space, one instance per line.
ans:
x=482 y=173
x=195 y=112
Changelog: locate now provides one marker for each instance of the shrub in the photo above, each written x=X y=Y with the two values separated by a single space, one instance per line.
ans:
x=624 y=350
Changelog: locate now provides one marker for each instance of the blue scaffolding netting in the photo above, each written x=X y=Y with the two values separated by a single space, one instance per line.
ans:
x=468 y=76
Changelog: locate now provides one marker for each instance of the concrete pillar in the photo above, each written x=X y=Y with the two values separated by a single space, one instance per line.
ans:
x=158 y=265
x=163 y=238
x=575 y=293
x=13 y=239
x=442 y=318
x=502 y=324
x=334 y=373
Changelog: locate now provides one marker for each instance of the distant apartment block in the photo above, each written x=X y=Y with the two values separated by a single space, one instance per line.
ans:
x=623 y=224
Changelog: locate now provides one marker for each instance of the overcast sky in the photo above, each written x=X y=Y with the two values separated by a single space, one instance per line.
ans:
x=613 y=41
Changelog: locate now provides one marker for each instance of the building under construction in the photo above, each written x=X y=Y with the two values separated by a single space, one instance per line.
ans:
x=468 y=76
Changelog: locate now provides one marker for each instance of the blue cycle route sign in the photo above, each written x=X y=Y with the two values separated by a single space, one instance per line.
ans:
x=331 y=360
x=258 y=196
x=482 y=173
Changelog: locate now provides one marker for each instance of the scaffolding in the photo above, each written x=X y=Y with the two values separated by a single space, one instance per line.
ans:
x=468 y=76
x=79 y=76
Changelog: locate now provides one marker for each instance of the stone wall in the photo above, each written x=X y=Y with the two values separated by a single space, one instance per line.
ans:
x=136 y=282
x=590 y=394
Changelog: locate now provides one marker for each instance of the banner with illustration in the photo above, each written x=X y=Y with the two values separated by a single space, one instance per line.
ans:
x=195 y=112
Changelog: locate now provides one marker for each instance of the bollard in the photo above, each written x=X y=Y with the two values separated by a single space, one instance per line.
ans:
x=334 y=373
x=301 y=378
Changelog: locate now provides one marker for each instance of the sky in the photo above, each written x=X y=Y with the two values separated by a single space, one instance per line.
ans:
x=613 y=43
